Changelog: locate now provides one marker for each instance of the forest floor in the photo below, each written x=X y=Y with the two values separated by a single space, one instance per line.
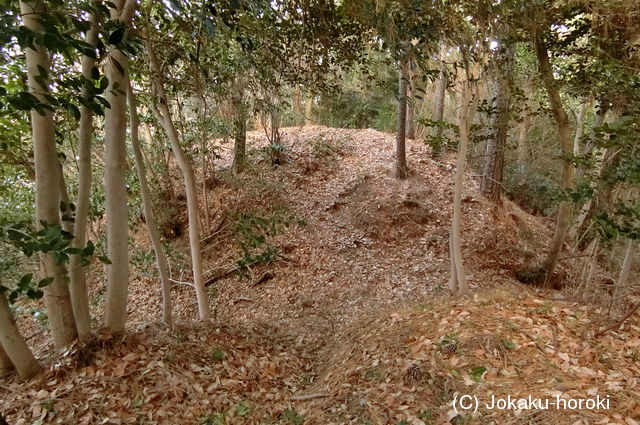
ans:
x=352 y=323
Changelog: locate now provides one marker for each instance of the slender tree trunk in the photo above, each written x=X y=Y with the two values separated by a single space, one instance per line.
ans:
x=625 y=270
x=161 y=259
x=77 y=283
x=438 y=114
x=189 y=182
x=297 y=105
x=308 y=110
x=402 y=171
x=240 y=136
x=457 y=281
x=160 y=157
x=57 y=299
x=579 y=127
x=563 y=220
x=115 y=169
x=491 y=183
x=581 y=223
x=411 y=106
x=13 y=343
x=601 y=113
x=602 y=198
x=6 y=365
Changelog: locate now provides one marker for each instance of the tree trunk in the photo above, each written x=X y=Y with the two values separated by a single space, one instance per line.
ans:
x=457 y=281
x=189 y=182
x=13 y=343
x=581 y=223
x=438 y=114
x=240 y=136
x=149 y=218
x=308 y=110
x=402 y=171
x=629 y=256
x=579 y=127
x=491 y=183
x=625 y=270
x=411 y=106
x=6 y=365
x=297 y=105
x=563 y=220
x=57 y=299
x=77 y=283
x=601 y=113
x=115 y=169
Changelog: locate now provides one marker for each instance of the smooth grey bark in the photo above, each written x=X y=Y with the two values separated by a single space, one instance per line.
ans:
x=491 y=183
x=77 y=280
x=14 y=344
x=563 y=219
x=57 y=299
x=457 y=280
x=115 y=168
x=401 y=169
x=164 y=116
x=149 y=218
x=6 y=365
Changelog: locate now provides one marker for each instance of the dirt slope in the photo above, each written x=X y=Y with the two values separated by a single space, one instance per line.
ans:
x=370 y=241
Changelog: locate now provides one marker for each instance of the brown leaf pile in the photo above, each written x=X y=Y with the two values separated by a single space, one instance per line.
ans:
x=399 y=366
x=188 y=375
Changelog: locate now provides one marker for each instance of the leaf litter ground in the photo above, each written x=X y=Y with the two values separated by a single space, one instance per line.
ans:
x=353 y=324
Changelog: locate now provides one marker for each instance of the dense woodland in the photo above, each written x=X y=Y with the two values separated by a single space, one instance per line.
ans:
x=318 y=211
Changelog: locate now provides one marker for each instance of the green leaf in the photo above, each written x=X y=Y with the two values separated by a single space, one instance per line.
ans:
x=104 y=259
x=89 y=249
x=25 y=281
x=45 y=282
x=508 y=344
x=95 y=73
x=60 y=258
x=243 y=409
x=13 y=296
x=477 y=372
x=116 y=36
x=74 y=111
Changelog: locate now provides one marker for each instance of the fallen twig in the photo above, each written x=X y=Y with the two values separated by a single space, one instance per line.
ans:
x=239 y=299
x=224 y=272
x=308 y=396
x=268 y=275
x=620 y=322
